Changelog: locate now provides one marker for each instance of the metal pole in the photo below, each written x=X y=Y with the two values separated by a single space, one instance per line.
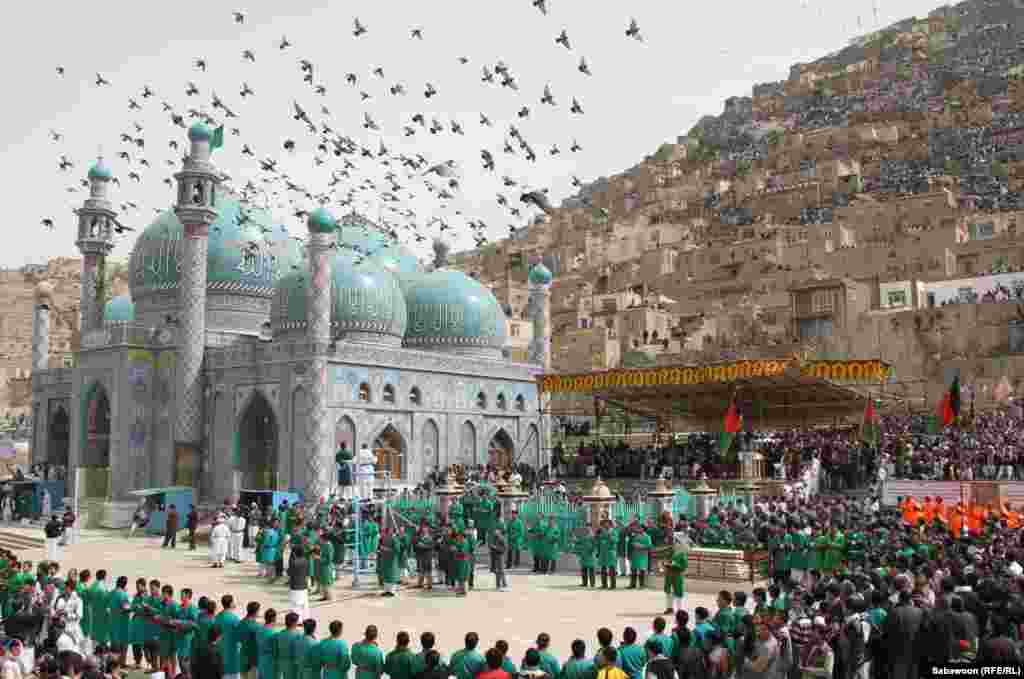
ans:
x=357 y=538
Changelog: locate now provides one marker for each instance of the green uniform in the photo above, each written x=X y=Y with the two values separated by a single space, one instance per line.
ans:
x=229 y=625
x=801 y=557
x=675 y=576
x=552 y=543
x=639 y=551
x=462 y=553
x=835 y=552
x=310 y=663
x=85 y=594
x=606 y=544
x=186 y=632
x=400 y=664
x=169 y=611
x=334 y=658
x=120 y=619
x=666 y=642
x=265 y=637
x=288 y=654
x=326 y=573
x=389 y=559
x=370 y=538
x=202 y=634
x=368 y=660
x=466 y=664
x=419 y=662
x=515 y=532
x=821 y=544
x=139 y=618
x=248 y=630
x=535 y=540
x=633 y=658
x=585 y=549
x=100 y=598
x=582 y=668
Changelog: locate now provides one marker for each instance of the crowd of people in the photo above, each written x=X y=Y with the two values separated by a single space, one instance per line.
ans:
x=857 y=591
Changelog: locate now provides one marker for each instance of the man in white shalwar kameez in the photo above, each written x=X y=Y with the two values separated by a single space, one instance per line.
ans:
x=237 y=526
x=47 y=503
x=219 y=536
x=366 y=469
x=7 y=508
x=70 y=608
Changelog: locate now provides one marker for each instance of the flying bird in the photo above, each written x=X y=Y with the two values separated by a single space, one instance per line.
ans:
x=584 y=68
x=488 y=77
x=284 y=44
x=417 y=33
x=524 y=112
x=429 y=91
x=60 y=70
x=488 y=160
x=548 y=97
x=100 y=80
x=201 y=64
x=368 y=122
x=357 y=27
x=563 y=40
x=634 y=31
x=239 y=17
x=191 y=89
x=248 y=55
x=246 y=91
x=541 y=5
x=575 y=147
x=397 y=89
x=47 y=223
x=484 y=120
x=576 y=108
x=146 y=92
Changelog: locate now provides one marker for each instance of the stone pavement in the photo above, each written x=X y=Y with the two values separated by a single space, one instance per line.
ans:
x=555 y=603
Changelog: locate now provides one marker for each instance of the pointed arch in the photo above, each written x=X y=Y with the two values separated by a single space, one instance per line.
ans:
x=345 y=433
x=255 y=454
x=501 y=449
x=296 y=461
x=467 y=443
x=58 y=435
x=392 y=451
x=96 y=426
x=430 y=447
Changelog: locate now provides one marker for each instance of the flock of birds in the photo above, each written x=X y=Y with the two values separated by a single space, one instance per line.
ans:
x=359 y=172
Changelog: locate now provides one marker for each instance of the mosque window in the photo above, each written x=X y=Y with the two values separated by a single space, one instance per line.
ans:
x=389 y=393
x=520 y=402
x=364 y=392
x=197 y=193
x=415 y=397
x=481 y=400
x=502 y=402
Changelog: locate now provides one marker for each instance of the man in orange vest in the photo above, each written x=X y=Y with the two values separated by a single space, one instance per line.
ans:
x=941 y=511
x=975 y=519
x=911 y=512
x=956 y=520
x=928 y=511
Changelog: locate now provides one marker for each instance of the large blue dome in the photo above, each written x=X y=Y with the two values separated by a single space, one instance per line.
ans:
x=120 y=309
x=364 y=298
x=247 y=251
x=448 y=308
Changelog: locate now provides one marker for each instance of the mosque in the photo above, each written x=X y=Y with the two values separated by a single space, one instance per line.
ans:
x=244 y=356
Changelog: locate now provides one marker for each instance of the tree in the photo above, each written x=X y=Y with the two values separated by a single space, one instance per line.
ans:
x=952 y=167
x=743 y=168
x=773 y=138
x=664 y=152
x=1000 y=170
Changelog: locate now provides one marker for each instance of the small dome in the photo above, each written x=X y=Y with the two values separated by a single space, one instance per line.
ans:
x=99 y=170
x=121 y=309
x=540 y=274
x=448 y=308
x=360 y=236
x=322 y=221
x=365 y=297
x=44 y=292
x=199 y=132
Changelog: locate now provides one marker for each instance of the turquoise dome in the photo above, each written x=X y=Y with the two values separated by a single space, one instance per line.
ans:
x=448 y=308
x=120 y=309
x=362 y=238
x=322 y=221
x=364 y=298
x=540 y=274
x=199 y=132
x=245 y=258
x=100 y=171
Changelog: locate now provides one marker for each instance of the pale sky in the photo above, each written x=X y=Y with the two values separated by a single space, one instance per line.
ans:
x=693 y=57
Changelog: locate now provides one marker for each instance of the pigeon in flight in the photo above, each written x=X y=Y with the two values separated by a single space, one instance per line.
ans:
x=246 y=91
x=368 y=123
x=239 y=17
x=357 y=27
x=548 y=97
x=249 y=55
x=541 y=5
x=100 y=80
x=584 y=68
x=575 y=147
x=488 y=76
x=191 y=89
x=146 y=92
x=563 y=40
x=47 y=224
x=488 y=160
x=201 y=64
x=485 y=121
x=284 y=44
x=634 y=31
x=429 y=91
x=576 y=108
x=60 y=70
x=417 y=33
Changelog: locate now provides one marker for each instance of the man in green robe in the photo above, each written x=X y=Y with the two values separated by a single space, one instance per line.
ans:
x=308 y=647
x=461 y=550
x=166 y=615
x=265 y=638
x=228 y=622
x=389 y=555
x=84 y=591
x=536 y=544
x=799 y=562
x=185 y=628
x=326 y=573
x=367 y=657
x=400 y=662
x=333 y=654
x=100 y=598
x=120 y=619
x=639 y=554
x=675 y=580
x=552 y=545
x=835 y=553
x=467 y=662
x=821 y=543
x=369 y=538
x=607 y=540
x=515 y=533
x=625 y=534
x=288 y=649
x=248 y=632
x=585 y=549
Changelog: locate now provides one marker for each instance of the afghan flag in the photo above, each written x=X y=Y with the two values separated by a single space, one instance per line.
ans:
x=733 y=425
x=869 y=428
x=949 y=409
x=217 y=140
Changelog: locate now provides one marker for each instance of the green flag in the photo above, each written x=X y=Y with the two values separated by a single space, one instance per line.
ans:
x=217 y=140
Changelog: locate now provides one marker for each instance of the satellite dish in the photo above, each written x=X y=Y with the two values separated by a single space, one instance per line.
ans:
x=266 y=333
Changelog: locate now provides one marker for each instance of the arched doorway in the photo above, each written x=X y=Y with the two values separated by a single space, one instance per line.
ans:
x=501 y=450
x=256 y=457
x=345 y=434
x=467 y=444
x=389 y=447
x=96 y=451
x=430 y=445
x=59 y=437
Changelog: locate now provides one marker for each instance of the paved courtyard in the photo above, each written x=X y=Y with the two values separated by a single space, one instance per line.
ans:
x=555 y=603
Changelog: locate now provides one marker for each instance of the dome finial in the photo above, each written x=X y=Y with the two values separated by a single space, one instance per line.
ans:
x=540 y=274
x=321 y=220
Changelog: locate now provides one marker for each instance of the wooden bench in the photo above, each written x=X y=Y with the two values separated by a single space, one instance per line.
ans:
x=727 y=565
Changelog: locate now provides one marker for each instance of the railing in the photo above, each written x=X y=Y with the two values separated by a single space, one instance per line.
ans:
x=117 y=333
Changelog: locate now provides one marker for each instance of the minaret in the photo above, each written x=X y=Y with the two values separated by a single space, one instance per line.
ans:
x=198 y=182
x=95 y=241
x=41 y=327
x=320 y=454
x=538 y=310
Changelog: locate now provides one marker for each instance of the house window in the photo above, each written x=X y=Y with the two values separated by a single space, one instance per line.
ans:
x=515 y=330
x=415 y=397
x=811 y=328
x=520 y=403
x=389 y=394
x=481 y=400
x=897 y=298
x=364 y=392
x=822 y=301
x=502 y=402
